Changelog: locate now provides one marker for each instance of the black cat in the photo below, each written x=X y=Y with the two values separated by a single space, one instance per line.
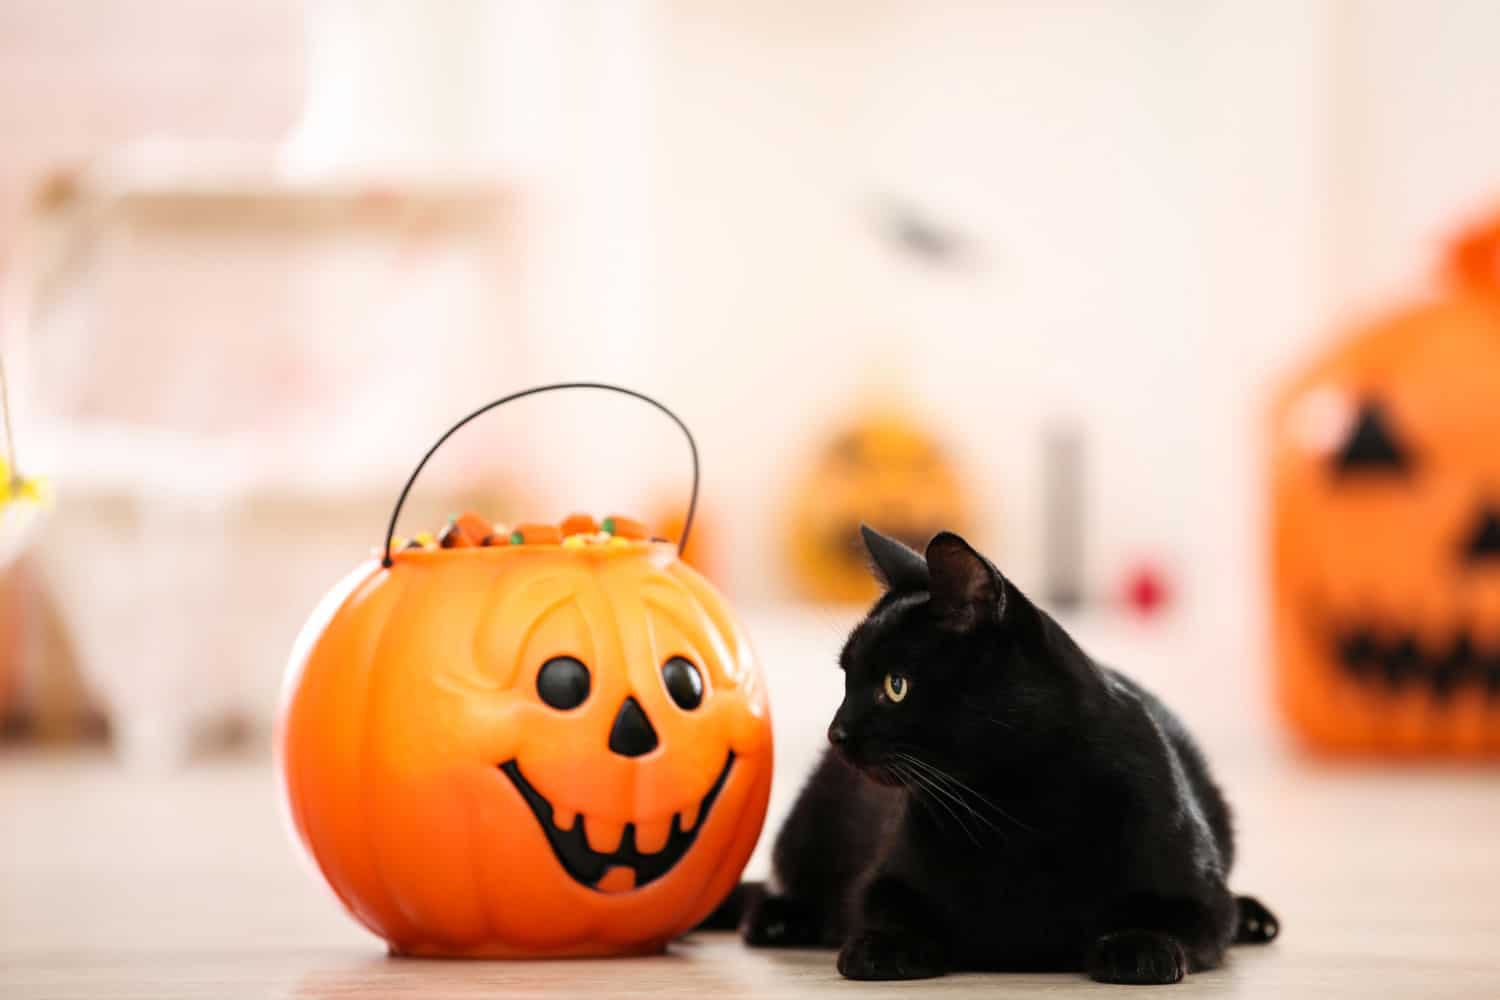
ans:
x=996 y=800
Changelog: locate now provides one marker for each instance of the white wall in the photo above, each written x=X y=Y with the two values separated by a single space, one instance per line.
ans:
x=1146 y=184
x=1419 y=150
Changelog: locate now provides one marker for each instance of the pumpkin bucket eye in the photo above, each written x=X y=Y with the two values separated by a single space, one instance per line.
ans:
x=684 y=682
x=563 y=682
x=897 y=687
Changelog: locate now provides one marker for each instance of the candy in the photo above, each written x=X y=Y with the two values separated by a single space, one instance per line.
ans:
x=475 y=528
x=536 y=534
x=626 y=527
x=579 y=524
x=453 y=537
x=577 y=531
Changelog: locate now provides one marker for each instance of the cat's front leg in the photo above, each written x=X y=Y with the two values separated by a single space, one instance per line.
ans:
x=895 y=936
x=784 y=922
x=1137 y=957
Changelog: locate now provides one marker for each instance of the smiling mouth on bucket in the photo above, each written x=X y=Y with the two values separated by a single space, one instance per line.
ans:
x=589 y=867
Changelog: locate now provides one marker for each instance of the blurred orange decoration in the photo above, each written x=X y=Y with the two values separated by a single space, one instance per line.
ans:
x=883 y=468
x=1386 y=526
x=550 y=741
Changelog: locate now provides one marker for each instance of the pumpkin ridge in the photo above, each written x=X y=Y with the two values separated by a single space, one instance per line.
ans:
x=716 y=610
x=503 y=597
x=302 y=819
x=375 y=674
x=476 y=869
x=710 y=658
x=696 y=901
x=722 y=654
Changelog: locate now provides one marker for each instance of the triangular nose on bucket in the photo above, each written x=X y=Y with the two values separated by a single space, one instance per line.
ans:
x=632 y=734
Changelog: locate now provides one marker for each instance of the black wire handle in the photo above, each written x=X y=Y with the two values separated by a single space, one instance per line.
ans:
x=687 y=522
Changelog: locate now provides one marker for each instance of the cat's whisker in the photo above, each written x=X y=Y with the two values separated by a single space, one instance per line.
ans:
x=962 y=788
x=940 y=785
x=943 y=796
x=902 y=774
x=936 y=795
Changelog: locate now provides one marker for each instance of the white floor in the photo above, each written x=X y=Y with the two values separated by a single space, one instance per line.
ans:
x=120 y=885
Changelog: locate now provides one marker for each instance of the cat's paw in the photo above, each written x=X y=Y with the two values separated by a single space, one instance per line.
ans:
x=1137 y=958
x=880 y=955
x=1257 y=925
x=779 y=922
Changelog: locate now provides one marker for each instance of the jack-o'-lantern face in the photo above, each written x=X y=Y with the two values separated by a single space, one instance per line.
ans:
x=531 y=750
x=885 y=471
x=1386 y=536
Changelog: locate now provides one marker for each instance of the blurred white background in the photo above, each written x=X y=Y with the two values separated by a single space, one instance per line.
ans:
x=1160 y=208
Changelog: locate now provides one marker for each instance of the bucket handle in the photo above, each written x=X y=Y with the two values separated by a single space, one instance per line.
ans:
x=687 y=522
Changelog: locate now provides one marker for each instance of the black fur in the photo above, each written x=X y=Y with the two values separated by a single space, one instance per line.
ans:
x=1019 y=808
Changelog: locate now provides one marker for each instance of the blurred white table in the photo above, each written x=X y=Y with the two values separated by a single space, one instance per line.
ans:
x=118 y=884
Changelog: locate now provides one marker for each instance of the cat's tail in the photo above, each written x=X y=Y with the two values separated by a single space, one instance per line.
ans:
x=1257 y=925
x=729 y=913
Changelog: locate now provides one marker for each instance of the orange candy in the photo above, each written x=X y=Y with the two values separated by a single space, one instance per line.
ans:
x=453 y=537
x=579 y=524
x=469 y=530
x=626 y=527
x=537 y=534
x=475 y=528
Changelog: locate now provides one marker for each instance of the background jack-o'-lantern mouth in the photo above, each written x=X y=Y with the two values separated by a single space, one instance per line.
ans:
x=1398 y=659
x=590 y=867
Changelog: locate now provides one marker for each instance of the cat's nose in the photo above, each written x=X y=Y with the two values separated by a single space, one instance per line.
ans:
x=837 y=734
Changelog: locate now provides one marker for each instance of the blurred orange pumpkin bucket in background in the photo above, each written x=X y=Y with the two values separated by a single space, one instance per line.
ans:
x=1385 y=533
x=543 y=741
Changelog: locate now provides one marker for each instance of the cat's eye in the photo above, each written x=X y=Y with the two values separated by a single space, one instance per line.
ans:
x=563 y=682
x=684 y=682
x=896 y=686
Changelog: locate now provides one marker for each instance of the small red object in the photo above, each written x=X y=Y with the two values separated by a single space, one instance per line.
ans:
x=1146 y=590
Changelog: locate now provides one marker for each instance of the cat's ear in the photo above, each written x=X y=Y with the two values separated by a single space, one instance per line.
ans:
x=967 y=591
x=896 y=566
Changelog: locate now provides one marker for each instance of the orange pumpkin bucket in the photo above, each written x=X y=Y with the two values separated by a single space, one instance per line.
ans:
x=548 y=742
x=1385 y=533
